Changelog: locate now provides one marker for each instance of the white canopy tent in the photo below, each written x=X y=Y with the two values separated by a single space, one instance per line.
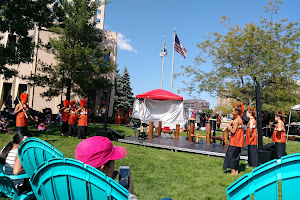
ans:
x=293 y=108
x=160 y=105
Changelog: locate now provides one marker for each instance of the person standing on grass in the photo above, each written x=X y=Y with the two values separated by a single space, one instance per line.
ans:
x=119 y=115
x=251 y=138
x=232 y=158
x=65 y=117
x=279 y=136
x=21 y=112
x=103 y=111
x=83 y=119
x=72 y=121
x=219 y=121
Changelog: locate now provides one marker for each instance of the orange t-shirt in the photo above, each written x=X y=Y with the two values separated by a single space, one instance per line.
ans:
x=83 y=117
x=280 y=138
x=65 y=116
x=21 y=120
x=251 y=140
x=237 y=138
x=73 y=117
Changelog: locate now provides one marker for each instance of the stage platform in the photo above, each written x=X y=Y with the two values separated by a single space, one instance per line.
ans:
x=182 y=144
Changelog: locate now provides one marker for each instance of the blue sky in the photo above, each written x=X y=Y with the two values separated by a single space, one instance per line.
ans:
x=143 y=24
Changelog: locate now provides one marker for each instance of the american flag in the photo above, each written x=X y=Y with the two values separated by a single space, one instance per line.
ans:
x=179 y=47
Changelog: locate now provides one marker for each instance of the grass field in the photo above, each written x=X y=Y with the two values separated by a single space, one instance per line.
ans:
x=160 y=173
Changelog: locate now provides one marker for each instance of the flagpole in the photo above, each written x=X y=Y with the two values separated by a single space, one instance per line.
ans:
x=173 y=60
x=162 y=68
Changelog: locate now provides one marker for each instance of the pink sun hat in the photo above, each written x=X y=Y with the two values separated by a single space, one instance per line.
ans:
x=96 y=151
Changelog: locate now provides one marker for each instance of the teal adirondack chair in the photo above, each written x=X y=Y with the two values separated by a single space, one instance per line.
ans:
x=33 y=152
x=263 y=182
x=7 y=187
x=66 y=178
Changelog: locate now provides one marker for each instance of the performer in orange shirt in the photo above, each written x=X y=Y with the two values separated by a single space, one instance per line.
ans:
x=65 y=117
x=232 y=158
x=251 y=138
x=22 y=110
x=83 y=119
x=279 y=136
x=119 y=115
x=72 y=121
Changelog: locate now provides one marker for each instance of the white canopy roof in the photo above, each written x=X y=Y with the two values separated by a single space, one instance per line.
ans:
x=296 y=107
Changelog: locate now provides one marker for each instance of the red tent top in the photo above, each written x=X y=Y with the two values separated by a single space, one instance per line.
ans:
x=159 y=94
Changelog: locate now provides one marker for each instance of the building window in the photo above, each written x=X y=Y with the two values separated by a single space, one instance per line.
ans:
x=98 y=20
x=98 y=11
x=100 y=3
x=106 y=58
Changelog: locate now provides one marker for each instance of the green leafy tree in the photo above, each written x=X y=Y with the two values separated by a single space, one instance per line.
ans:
x=80 y=67
x=123 y=92
x=266 y=54
x=17 y=18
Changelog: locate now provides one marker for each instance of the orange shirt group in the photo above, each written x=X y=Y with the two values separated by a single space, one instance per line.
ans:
x=71 y=117
x=237 y=138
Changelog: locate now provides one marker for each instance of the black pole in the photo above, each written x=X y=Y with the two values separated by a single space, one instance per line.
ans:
x=107 y=108
x=258 y=113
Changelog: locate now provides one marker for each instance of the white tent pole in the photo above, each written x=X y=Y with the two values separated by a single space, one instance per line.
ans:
x=287 y=135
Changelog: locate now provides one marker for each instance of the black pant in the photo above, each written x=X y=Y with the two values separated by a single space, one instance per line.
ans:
x=23 y=129
x=72 y=130
x=82 y=131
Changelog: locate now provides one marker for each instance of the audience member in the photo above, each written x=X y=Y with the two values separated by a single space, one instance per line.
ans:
x=100 y=153
x=10 y=160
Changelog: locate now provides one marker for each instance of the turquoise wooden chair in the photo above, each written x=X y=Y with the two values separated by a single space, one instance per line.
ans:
x=264 y=181
x=7 y=187
x=33 y=152
x=66 y=178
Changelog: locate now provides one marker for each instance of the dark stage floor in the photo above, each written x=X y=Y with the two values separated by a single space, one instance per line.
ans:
x=182 y=144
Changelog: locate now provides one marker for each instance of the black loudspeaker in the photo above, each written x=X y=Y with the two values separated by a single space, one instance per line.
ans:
x=265 y=155
x=116 y=134
x=269 y=146
x=110 y=134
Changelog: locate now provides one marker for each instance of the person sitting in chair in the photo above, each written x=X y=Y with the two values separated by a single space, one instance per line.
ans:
x=10 y=160
x=100 y=153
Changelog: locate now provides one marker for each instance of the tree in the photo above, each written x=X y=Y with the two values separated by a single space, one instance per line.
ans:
x=17 y=18
x=123 y=92
x=266 y=54
x=81 y=67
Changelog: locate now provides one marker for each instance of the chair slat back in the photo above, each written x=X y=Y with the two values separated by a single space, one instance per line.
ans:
x=263 y=181
x=290 y=176
x=7 y=187
x=33 y=152
x=66 y=178
x=239 y=189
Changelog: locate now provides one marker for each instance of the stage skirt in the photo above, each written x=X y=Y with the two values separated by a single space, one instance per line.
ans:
x=232 y=158
x=252 y=155
x=279 y=150
x=119 y=120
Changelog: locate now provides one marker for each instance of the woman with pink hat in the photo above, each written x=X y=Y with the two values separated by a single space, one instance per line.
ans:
x=100 y=153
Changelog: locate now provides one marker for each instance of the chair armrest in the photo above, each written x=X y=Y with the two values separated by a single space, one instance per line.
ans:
x=15 y=177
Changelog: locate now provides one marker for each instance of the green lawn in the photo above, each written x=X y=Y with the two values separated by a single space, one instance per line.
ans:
x=160 y=173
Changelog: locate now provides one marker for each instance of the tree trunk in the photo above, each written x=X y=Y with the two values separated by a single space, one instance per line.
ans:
x=69 y=86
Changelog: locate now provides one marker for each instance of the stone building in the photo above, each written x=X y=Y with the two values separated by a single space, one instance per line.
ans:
x=15 y=86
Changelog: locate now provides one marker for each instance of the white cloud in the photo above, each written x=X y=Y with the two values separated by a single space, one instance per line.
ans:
x=123 y=43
